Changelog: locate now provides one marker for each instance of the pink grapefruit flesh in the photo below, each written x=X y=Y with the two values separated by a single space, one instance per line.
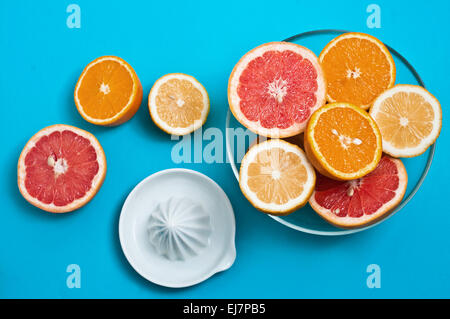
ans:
x=61 y=168
x=274 y=89
x=363 y=201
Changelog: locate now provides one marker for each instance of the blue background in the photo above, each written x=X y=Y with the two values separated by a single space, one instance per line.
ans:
x=41 y=61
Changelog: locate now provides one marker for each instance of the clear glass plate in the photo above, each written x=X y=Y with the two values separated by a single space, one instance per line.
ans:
x=305 y=219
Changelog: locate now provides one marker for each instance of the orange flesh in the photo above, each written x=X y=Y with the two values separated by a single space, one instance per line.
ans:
x=400 y=107
x=357 y=71
x=290 y=172
x=179 y=103
x=105 y=90
x=346 y=139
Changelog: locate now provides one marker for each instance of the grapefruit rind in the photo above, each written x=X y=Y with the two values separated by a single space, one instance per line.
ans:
x=426 y=142
x=318 y=160
x=365 y=36
x=161 y=123
x=272 y=208
x=233 y=83
x=366 y=220
x=128 y=110
x=96 y=182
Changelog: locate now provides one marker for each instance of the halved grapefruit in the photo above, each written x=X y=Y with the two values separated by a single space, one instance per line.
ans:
x=363 y=201
x=274 y=89
x=61 y=168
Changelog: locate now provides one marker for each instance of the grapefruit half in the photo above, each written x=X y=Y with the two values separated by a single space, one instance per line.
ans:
x=363 y=201
x=61 y=168
x=274 y=89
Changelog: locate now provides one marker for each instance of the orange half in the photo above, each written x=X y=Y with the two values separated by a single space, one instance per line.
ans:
x=343 y=142
x=357 y=67
x=108 y=91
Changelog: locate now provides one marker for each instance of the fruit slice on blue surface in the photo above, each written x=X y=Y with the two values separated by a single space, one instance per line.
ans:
x=61 y=168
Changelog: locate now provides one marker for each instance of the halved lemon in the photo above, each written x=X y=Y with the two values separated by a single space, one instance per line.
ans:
x=276 y=177
x=178 y=103
x=410 y=120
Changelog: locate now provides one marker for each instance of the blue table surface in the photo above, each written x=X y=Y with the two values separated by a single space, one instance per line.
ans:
x=41 y=61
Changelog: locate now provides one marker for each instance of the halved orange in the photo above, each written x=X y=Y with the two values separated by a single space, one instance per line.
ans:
x=178 y=103
x=410 y=119
x=342 y=141
x=358 y=67
x=108 y=91
x=276 y=177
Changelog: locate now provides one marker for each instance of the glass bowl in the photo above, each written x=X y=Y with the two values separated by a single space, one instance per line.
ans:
x=305 y=219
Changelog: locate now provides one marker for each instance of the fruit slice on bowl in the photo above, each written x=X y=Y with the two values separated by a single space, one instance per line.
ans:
x=108 y=91
x=343 y=142
x=409 y=118
x=276 y=177
x=274 y=89
x=61 y=168
x=358 y=67
x=364 y=201
x=178 y=103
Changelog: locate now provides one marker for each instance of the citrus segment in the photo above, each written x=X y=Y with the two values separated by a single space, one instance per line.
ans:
x=358 y=67
x=342 y=141
x=61 y=168
x=274 y=89
x=108 y=91
x=409 y=118
x=363 y=201
x=276 y=177
x=178 y=104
